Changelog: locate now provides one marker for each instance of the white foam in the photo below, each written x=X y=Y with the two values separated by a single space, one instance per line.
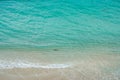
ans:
x=24 y=64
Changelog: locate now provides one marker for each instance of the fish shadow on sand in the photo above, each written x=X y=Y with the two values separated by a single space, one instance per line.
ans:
x=55 y=49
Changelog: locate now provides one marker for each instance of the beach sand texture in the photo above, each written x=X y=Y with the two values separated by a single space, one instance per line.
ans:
x=88 y=67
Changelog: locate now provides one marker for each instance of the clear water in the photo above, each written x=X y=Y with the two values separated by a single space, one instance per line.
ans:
x=55 y=34
x=59 y=23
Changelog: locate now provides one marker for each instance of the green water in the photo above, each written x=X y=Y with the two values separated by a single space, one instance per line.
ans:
x=81 y=36
x=55 y=23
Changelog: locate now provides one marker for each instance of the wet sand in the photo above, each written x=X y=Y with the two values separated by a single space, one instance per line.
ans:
x=88 y=67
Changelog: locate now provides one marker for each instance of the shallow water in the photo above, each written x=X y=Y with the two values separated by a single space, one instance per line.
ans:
x=56 y=23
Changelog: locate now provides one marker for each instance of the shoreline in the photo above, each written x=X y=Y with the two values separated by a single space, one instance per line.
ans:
x=83 y=67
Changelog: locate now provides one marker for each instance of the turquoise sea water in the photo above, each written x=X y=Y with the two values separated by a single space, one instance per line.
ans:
x=59 y=23
x=55 y=34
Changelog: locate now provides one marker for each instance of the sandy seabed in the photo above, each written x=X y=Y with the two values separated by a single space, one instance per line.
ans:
x=88 y=67
x=81 y=67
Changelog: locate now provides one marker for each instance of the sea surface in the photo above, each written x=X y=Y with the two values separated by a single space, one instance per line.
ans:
x=55 y=34
x=59 y=23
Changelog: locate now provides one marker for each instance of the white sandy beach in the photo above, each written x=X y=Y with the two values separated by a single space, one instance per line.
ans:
x=84 y=67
